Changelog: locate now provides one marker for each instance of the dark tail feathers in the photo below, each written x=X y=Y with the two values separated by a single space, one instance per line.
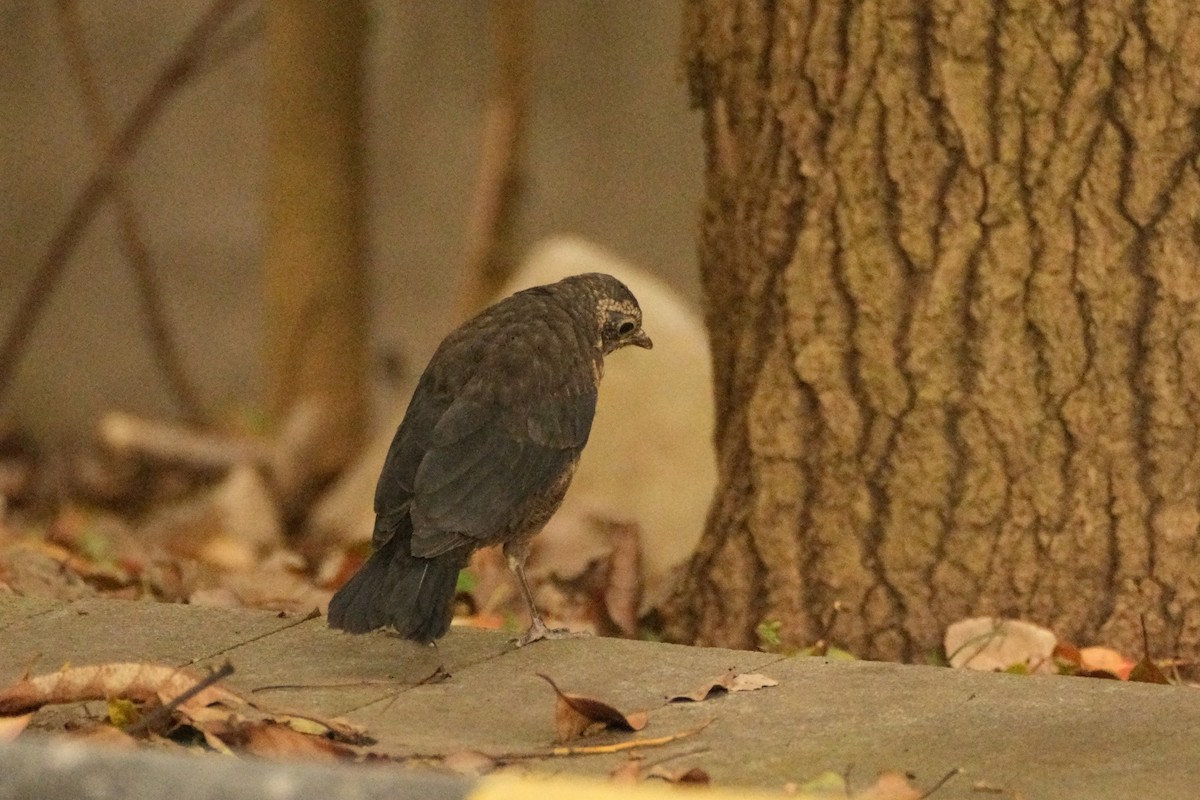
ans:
x=413 y=595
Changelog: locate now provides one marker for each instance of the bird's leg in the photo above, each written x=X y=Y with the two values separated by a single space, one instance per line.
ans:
x=516 y=552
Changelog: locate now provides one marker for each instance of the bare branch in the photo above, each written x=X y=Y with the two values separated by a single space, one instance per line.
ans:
x=175 y=74
x=162 y=342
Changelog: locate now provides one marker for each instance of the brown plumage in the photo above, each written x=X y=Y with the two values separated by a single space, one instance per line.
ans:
x=486 y=450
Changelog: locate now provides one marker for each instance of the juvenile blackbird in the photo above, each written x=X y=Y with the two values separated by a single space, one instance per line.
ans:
x=486 y=450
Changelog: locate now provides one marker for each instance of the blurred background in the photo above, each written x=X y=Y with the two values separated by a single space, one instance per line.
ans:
x=611 y=152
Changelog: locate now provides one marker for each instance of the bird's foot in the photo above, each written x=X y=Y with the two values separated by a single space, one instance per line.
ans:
x=538 y=630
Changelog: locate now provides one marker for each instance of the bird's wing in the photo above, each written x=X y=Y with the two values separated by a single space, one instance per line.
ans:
x=485 y=462
x=397 y=479
x=497 y=419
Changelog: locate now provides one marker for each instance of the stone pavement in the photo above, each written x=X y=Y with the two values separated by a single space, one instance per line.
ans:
x=1012 y=736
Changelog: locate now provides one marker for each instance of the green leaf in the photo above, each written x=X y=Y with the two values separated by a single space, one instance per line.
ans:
x=768 y=635
x=466 y=581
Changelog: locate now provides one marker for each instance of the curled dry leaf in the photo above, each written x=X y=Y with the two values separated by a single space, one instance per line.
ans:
x=131 y=681
x=268 y=739
x=225 y=719
x=336 y=728
x=1104 y=659
x=576 y=714
x=729 y=682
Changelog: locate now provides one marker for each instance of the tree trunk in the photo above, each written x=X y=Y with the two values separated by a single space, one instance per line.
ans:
x=950 y=253
x=316 y=279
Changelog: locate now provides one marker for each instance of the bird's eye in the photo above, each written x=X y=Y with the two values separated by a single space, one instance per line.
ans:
x=625 y=328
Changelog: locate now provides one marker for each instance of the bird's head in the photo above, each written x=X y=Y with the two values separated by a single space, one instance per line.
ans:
x=618 y=315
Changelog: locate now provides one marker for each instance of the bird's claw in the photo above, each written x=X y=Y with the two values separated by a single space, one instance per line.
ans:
x=538 y=630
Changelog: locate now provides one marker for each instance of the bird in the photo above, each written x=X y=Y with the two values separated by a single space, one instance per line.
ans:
x=486 y=451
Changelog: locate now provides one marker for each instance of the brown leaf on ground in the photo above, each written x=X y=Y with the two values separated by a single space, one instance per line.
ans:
x=141 y=683
x=269 y=739
x=693 y=776
x=335 y=728
x=729 y=682
x=576 y=714
x=1096 y=660
x=1146 y=671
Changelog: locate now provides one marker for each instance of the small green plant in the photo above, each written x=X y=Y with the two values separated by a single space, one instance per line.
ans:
x=769 y=640
x=466 y=582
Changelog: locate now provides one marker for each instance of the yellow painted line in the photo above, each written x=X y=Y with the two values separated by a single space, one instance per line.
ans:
x=507 y=786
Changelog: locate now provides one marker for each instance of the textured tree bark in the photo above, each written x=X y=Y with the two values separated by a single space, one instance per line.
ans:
x=951 y=255
x=316 y=279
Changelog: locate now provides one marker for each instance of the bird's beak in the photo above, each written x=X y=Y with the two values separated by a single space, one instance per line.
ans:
x=640 y=338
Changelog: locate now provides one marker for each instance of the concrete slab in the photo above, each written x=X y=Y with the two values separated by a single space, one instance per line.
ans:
x=1032 y=737
x=16 y=609
x=1044 y=736
x=334 y=673
x=502 y=706
x=93 y=631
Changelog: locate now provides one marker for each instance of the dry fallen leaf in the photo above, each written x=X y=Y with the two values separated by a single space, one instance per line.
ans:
x=131 y=681
x=576 y=714
x=729 y=682
x=751 y=681
x=693 y=776
x=1104 y=659
x=336 y=728
x=991 y=644
x=275 y=740
x=225 y=719
x=1146 y=671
